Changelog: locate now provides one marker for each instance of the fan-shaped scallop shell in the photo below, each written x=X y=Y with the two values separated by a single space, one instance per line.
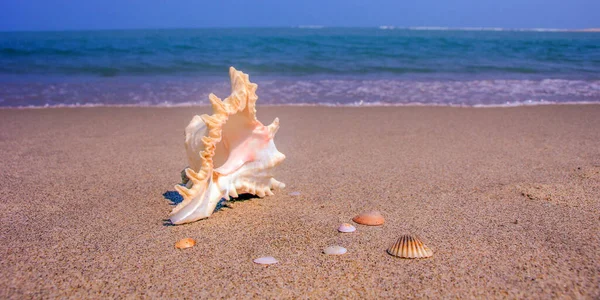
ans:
x=408 y=246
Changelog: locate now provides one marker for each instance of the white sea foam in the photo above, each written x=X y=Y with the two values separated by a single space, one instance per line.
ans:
x=325 y=92
x=357 y=104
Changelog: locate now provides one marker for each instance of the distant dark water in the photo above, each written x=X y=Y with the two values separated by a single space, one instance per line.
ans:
x=295 y=65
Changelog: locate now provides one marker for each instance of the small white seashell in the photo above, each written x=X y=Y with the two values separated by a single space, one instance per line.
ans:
x=346 y=228
x=295 y=194
x=335 y=250
x=267 y=260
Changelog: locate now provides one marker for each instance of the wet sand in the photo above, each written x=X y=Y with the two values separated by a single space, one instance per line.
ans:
x=507 y=198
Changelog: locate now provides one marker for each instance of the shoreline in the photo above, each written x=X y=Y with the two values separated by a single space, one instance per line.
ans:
x=507 y=199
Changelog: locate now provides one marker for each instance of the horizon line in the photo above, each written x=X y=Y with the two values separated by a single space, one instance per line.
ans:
x=316 y=27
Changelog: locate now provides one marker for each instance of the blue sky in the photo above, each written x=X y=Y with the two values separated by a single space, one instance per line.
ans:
x=125 y=14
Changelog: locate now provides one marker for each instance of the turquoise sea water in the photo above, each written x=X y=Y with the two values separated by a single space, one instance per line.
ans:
x=338 y=66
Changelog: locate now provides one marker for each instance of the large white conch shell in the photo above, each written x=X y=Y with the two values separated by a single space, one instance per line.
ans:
x=229 y=153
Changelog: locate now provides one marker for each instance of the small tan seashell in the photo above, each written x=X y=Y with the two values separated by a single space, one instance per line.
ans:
x=185 y=243
x=408 y=246
x=373 y=218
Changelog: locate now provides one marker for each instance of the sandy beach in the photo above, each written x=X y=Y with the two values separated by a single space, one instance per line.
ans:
x=507 y=198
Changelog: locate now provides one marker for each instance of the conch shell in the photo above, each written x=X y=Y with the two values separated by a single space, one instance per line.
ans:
x=229 y=153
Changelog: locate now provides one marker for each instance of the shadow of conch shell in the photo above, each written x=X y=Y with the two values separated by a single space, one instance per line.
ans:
x=229 y=153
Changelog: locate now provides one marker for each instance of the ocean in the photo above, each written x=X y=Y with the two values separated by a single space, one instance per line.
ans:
x=300 y=66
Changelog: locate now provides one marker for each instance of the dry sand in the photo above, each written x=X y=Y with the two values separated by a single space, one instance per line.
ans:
x=507 y=198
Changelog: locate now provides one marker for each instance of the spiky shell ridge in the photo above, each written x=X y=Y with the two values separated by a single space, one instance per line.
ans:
x=243 y=95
